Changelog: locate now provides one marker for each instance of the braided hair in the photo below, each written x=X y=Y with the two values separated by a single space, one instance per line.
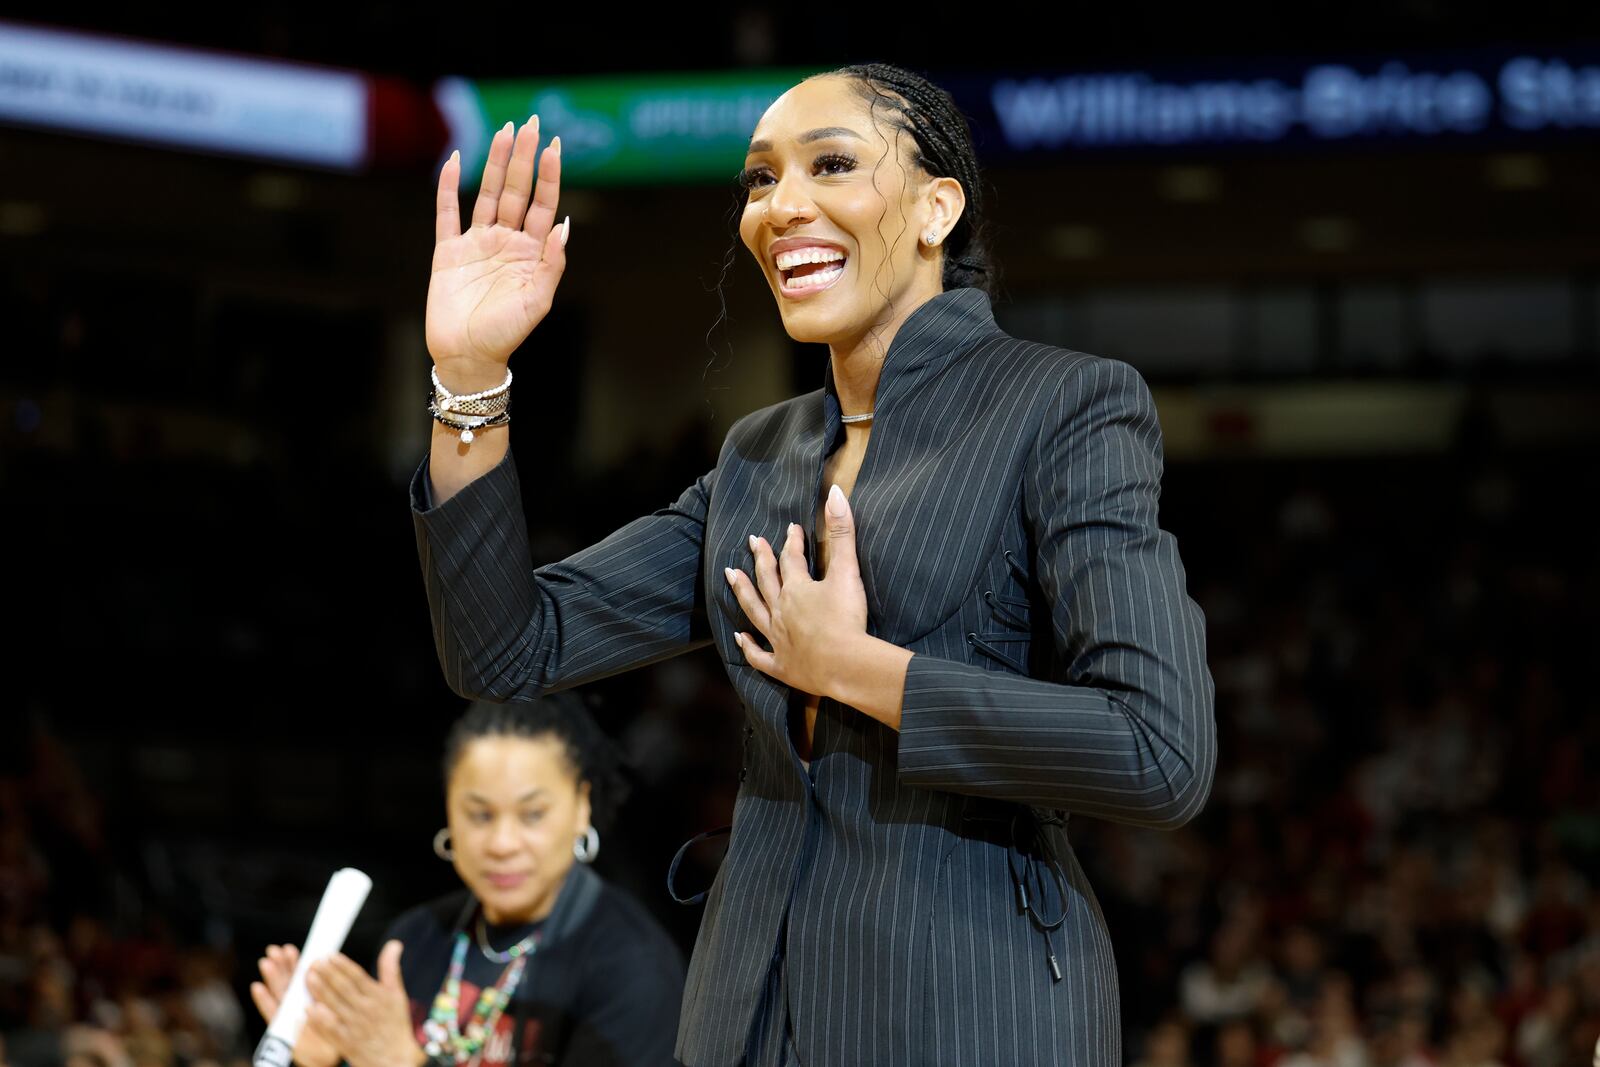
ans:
x=943 y=150
x=589 y=752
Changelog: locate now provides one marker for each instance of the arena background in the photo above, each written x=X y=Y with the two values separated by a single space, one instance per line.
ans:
x=1376 y=353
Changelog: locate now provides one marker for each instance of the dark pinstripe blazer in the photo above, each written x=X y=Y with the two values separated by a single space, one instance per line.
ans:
x=1007 y=531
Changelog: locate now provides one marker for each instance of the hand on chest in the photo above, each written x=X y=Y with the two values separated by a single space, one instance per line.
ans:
x=928 y=513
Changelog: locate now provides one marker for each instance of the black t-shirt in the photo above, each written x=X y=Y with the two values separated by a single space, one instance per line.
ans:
x=606 y=991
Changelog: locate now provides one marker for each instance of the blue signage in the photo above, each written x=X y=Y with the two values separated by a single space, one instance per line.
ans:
x=1480 y=96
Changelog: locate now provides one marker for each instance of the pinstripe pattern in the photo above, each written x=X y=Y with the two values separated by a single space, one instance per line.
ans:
x=1006 y=512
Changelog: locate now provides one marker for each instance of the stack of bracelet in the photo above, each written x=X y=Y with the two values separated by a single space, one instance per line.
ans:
x=468 y=412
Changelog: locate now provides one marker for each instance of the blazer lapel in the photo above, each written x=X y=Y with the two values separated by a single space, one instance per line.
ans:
x=775 y=478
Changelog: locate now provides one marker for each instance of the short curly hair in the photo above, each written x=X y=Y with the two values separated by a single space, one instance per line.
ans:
x=589 y=752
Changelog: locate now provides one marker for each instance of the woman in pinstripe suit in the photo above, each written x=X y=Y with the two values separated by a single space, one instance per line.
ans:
x=938 y=584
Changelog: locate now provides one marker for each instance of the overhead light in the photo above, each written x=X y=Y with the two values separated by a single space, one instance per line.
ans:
x=1517 y=170
x=275 y=191
x=1328 y=233
x=21 y=218
x=1191 y=185
x=1075 y=241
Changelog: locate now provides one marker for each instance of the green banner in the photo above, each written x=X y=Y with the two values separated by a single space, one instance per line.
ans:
x=647 y=129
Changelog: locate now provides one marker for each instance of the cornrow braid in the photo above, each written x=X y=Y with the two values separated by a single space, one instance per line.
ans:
x=589 y=752
x=943 y=150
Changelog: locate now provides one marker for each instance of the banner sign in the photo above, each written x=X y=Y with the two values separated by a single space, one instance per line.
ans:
x=182 y=97
x=654 y=129
x=1442 y=100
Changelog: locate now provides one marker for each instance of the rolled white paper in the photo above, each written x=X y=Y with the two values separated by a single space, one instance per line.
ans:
x=341 y=901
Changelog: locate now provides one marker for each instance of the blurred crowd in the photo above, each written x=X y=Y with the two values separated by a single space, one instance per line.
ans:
x=89 y=975
x=1399 y=865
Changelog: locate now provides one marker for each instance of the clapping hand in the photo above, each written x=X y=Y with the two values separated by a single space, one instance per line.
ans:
x=314 y=1048
x=368 y=1019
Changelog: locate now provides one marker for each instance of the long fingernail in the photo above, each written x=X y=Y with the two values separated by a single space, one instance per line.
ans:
x=555 y=143
x=836 y=501
x=752 y=542
x=728 y=573
x=738 y=639
x=566 y=230
x=508 y=127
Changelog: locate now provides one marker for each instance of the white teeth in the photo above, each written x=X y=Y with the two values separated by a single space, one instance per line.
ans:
x=811 y=281
x=796 y=257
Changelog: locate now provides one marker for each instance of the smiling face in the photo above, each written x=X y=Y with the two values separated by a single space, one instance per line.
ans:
x=515 y=807
x=838 y=213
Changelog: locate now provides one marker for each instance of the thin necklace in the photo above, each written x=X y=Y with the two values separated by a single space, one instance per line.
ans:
x=519 y=949
x=856 y=418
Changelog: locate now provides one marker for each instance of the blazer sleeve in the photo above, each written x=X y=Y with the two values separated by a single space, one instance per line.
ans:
x=507 y=630
x=1125 y=728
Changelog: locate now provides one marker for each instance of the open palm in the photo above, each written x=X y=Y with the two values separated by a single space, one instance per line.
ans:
x=492 y=284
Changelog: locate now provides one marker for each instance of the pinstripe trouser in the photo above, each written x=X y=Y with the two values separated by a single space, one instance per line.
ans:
x=772 y=1036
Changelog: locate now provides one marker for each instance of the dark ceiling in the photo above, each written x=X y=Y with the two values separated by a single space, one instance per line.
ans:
x=492 y=38
x=1408 y=211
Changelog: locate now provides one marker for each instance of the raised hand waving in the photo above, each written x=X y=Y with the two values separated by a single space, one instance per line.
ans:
x=493 y=282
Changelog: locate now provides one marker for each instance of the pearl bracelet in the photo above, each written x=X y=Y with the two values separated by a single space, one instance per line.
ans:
x=488 y=402
x=467 y=412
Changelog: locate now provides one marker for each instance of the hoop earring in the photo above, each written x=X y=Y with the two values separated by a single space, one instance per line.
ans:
x=441 y=845
x=587 y=846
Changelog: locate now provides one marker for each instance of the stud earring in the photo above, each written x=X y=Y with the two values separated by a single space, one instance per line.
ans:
x=933 y=238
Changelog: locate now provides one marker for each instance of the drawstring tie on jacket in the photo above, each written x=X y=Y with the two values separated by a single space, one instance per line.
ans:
x=1028 y=846
x=677 y=861
x=1010 y=611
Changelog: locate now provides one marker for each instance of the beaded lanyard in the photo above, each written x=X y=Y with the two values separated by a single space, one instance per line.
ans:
x=442 y=1030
